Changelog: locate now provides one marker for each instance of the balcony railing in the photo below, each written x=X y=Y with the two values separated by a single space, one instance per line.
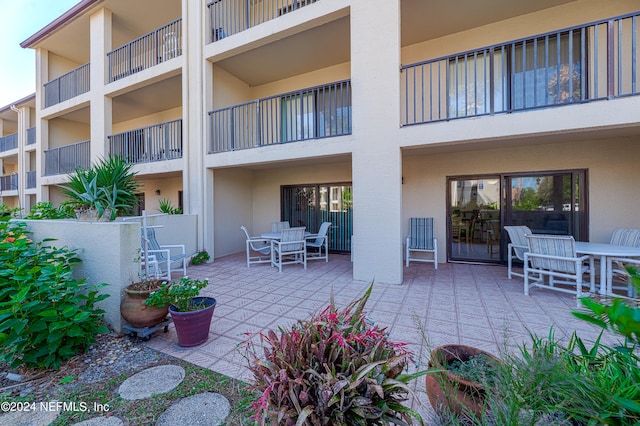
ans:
x=67 y=86
x=146 y=51
x=9 y=142
x=153 y=143
x=573 y=65
x=230 y=17
x=31 y=179
x=66 y=159
x=31 y=136
x=9 y=182
x=312 y=113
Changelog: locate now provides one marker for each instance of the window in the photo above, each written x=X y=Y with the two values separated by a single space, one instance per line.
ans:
x=526 y=74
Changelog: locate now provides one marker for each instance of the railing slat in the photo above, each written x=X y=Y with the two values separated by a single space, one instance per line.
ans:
x=66 y=159
x=157 y=142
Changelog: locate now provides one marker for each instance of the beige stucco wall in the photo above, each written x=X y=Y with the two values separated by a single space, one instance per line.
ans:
x=609 y=162
x=64 y=132
x=168 y=187
x=111 y=261
x=232 y=208
x=147 y=120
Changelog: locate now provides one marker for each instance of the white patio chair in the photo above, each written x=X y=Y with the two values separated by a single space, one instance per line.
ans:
x=290 y=249
x=261 y=246
x=620 y=263
x=554 y=256
x=617 y=277
x=279 y=226
x=163 y=254
x=517 y=247
x=317 y=242
x=421 y=240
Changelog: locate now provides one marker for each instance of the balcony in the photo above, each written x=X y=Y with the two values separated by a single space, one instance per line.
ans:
x=231 y=17
x=66 y=159
x=574 y=65
x=31 y=179
x=159 y=142
x=9 y=182
x=311 y=113
x=67 y=86
x=31 y=136
x=9 y=142
x=146 y=51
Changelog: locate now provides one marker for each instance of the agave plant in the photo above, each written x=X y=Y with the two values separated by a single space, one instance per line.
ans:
x=335 y=369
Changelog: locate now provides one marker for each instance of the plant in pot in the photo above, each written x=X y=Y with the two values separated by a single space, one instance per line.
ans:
x=200 y=257
x=191 y=313
x=133 y=307
x=460 y=376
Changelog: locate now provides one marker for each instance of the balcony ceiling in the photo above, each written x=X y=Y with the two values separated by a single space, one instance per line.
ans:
x=424 y=20
x=160 y=96
x=131 y=19
x=314 y=49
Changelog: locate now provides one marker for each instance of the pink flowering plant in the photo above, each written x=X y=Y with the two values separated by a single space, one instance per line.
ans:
x=336 y=368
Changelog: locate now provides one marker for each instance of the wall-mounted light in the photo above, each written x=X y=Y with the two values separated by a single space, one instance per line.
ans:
x=157 y=192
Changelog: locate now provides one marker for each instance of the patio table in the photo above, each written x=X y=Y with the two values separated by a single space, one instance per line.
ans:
x=605 y=250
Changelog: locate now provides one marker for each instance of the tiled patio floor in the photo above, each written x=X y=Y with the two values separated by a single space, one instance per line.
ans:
x=471 y=304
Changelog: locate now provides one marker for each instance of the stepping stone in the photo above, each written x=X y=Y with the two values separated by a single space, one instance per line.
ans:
x=206 y=409
x=152 y=381
x=101 y=421
x=29 y=418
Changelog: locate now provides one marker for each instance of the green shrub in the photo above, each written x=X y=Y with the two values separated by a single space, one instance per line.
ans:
x=334 y=369
x=45 y=210
x=165 y=206
x=46 y=316
x=200 y=257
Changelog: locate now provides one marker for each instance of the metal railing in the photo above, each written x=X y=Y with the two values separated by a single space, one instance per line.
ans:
x=9 y=182
x=146 y=51
x=231 y=17
x=9 y=142
x=311 y=113
x=67 y=86
x=31 y=179
x=66 y=159
x=584 y=63
x=153 y=143
x=31 y=136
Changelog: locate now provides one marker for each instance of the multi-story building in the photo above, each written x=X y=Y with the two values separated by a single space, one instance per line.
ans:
x=360 y=112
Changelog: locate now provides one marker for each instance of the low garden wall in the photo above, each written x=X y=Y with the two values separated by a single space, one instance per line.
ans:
x=109 y=250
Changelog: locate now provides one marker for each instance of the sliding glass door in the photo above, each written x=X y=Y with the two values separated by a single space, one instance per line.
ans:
x=310 y=205
x=480 y=206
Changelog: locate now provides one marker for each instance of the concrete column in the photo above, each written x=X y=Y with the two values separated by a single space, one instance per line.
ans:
x=101 y=112
x=42 y=125
x=377 y=161
x=193 y=113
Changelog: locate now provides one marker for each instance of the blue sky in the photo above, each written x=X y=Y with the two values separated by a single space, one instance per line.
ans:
x=20 y=20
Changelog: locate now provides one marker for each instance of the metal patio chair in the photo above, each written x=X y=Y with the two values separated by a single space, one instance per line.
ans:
x=318 y=242
x=290 y=249
x=261 y=246
x=421 y=240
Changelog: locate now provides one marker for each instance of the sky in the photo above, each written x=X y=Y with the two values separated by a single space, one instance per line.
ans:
x=20 y=20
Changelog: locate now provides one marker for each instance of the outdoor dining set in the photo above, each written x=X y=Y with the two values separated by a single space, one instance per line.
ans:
x=285 y=245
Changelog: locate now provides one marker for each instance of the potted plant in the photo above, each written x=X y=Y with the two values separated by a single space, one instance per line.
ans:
x=200 y=257
x=133 y=307
x=103 y=191
x=191 y=313
x=457 y=383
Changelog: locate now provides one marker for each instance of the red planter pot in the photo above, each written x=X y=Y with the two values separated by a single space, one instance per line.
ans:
x=193 y=327
x=449 y=392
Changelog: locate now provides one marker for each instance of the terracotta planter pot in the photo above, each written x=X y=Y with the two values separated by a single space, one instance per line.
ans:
x=193 y=327
x=134 y=310
x=452 y=393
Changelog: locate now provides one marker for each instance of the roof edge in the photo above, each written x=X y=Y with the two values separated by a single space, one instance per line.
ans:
x=18 y=102
x=59 y=22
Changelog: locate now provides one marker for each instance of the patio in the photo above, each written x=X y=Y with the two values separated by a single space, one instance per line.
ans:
x=458 y=303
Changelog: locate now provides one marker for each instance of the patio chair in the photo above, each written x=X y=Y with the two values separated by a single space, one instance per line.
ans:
x=517 y=247
x=554 y=256
x=617 y=276
x=279 y=226
x=290 y=249
x=421 y=240
x=261 y=246
x=317 y=242
x=163 y=254
x=620 y=263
